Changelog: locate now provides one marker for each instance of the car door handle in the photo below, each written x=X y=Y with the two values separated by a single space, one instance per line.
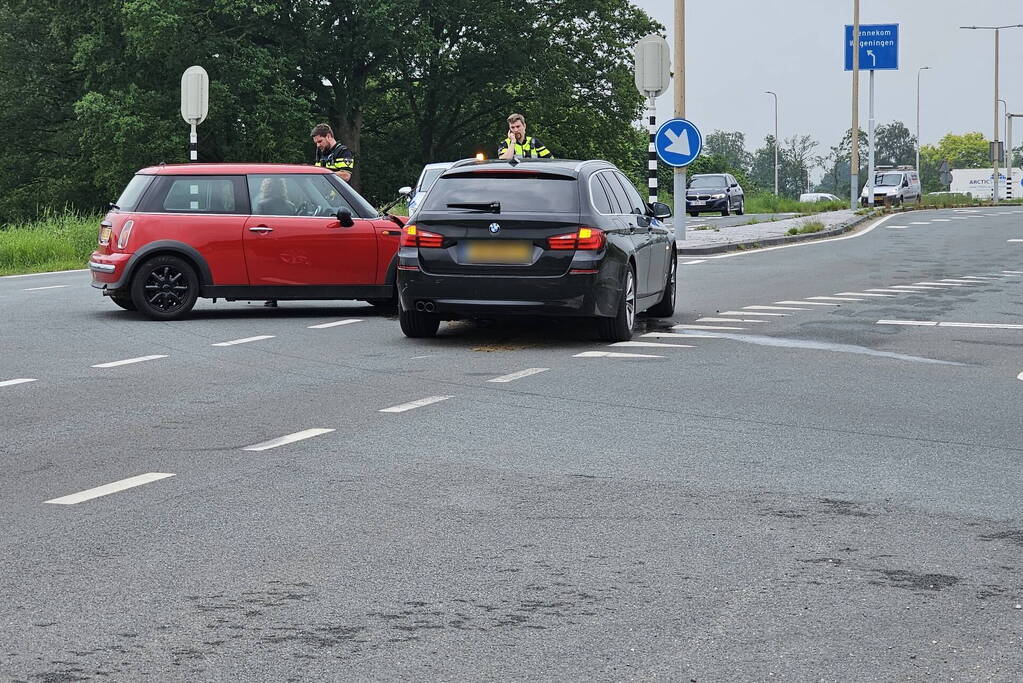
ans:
x=260 y=228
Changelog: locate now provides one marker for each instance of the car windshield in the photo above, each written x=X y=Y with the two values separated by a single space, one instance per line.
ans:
x=708 y=181
x=514 y=191
x=887 y=179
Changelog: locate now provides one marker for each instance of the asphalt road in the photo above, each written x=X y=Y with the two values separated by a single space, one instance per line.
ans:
x=716 y=220
x=819 y=481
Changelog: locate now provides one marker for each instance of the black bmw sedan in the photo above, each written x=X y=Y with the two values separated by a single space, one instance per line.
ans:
x=538 y=237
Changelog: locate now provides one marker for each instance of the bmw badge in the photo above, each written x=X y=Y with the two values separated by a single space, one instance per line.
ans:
x=495 y=228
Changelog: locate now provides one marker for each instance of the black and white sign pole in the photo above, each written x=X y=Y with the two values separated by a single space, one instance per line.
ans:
x=652 y=150
x=195 y=90
x=1008 y=144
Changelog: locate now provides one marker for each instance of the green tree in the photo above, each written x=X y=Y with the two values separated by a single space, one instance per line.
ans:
x=730 y=147
x=894 y=145
x=969 y=150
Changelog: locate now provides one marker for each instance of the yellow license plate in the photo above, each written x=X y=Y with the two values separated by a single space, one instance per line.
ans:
x=104 y=235
x=505 y=251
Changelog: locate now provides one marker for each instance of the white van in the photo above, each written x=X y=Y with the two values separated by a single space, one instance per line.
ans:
x=818 y=197
x=893 y=187
x=426 y=179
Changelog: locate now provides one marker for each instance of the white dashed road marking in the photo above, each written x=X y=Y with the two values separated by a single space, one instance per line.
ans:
x=612 y=354
x=653 y=344
x=830 y=298
x=864 y=294
x=806 y=303
x=931 y=323
x=945 y=284
x=1014 y=240
x=774 y=308
x=290 y=438
x=12 y=382
x=754 y=313
x=690 y=335
x=941 y=220
x=919 y=222
x=244 y=341
x=127 y=361
x=728 y=320
x=518 y=375
x=896 y=227
x=693 y=263
x=324 y=326
x=415 y=404
x=36 y=289
x=704 y=327
x=107 y=489
x=926 y=323
x=960 y=280
x=912 y=287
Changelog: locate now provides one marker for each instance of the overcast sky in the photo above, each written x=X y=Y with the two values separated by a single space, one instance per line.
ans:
x=736 y=50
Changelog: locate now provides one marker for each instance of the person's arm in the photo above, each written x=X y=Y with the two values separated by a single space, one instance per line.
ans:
x=541 y=151
x=343 y=166
x=507 y=148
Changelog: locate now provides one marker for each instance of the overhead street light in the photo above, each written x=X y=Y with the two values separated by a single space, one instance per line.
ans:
x=994 y=141
x=922 y=68
x=769 y=92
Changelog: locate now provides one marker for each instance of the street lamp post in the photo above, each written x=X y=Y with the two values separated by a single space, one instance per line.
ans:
x=998 y=161
x=922 y=68
x=994 y=141
x=769 y=92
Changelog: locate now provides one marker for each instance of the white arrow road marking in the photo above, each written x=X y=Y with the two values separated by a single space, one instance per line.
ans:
x=612 y=354
x=784 y=315
x=654 y=344
x=415 y=404
x=12 y=382
x=806 y=303
x=729 y=320
x=518 y=375
x=864 y=294
x=36 y=289
x=773 y=308
x=679 y=143
x=290 y=438
x=324 y=326
x=128 y=361
x=107 y=489
x=704 y=327
x=244 y=341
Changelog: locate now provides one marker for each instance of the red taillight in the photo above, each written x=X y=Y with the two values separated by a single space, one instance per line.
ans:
x=412 y=236
x=586 y=239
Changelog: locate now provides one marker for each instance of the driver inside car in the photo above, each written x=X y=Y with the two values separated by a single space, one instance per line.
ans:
x=274 y=200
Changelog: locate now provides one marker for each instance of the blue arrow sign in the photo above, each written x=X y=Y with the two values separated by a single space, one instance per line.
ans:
x=879 y=47
x=678 y=142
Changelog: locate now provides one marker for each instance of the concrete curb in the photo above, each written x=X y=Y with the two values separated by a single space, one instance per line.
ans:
x=772 y=241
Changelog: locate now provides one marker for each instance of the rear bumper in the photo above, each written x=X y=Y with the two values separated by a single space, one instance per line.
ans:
x=466 y=296
x=108 y=270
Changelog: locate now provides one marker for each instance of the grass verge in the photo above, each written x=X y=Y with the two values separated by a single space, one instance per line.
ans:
x=57 y=241
x=805 y=228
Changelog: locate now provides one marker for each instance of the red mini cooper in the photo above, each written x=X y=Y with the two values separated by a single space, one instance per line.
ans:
x=242 y=232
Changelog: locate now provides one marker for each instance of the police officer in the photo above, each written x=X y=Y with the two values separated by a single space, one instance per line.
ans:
x=332 y=154
x=518 y=143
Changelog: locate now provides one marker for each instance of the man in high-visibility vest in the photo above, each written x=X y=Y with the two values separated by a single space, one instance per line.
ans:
x=331 y=154
x=518 y=143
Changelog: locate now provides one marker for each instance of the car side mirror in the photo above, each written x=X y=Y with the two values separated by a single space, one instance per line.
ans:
x=344 y=217
x=660 y=210
x=405 y=191
x=734 y=185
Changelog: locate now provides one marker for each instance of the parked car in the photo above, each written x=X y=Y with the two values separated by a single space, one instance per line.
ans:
x=714 y=192
x=808 y=197
x=893 y=188
x=540 y=237
x=429 y=174
x=242 y=231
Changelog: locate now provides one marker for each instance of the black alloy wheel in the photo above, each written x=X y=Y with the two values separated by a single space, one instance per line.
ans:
x=165 y=288
x=727 y=211
x=665 y=308
x=619 y=328
x=742 y=206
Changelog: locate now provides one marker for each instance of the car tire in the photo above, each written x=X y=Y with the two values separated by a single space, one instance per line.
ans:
x=124 y=301
x=418 y=325
x=727 y=211
x=619 y=328
x=694 y=214
x=164 y=288
x=742 y=207
x=665 y=308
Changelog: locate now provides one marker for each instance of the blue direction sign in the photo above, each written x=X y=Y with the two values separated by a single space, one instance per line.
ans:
x=879 y=47
x=678 y=142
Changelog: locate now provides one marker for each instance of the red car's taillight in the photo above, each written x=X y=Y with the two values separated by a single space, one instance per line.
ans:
x=412 y=236
x=586 y=239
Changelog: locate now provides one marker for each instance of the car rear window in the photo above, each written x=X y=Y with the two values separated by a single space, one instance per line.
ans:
x=516 y=192
x=129 y=199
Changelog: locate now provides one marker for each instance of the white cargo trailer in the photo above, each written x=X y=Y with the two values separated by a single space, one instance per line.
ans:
x=976 y=182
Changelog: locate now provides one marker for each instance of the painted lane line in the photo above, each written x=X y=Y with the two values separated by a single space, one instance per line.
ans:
x=913 y=287
x=941 y=220
x=926 y=323
x=676 y=335
x=783 y=315
x=890 y=296
x=518 y=375
x=36 y=289
x=946 y=284
x=1013 y=272
x=728 y=320
x=890 y=289
x=831 y=298
x=960 y=280
x=653 y=344
x=978 y=277
x=693 y=263
x=244 y=341
x=896 y=227
x=1014 y=240
x=415 y=404
x=289 y=438
x=806 y=303
x=774 y=308
x=12 y=382
x=50 y=272
x=324 y=326
x=107 y=489
x=612 y=354
x=919 y=222
x=704 y=327
x=128 y=361
x=1020 y=376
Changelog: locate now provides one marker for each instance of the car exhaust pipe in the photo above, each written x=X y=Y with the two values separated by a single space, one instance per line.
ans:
x=420 y=306
x=429 y=307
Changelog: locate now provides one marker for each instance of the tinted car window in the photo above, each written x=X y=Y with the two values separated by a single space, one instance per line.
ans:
x=295 y=195
x=599 y=196
x=516 y=192
x=129 y=199
x=198 y=194
x=636 y=204
x=429 y=176
x=707 y=181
